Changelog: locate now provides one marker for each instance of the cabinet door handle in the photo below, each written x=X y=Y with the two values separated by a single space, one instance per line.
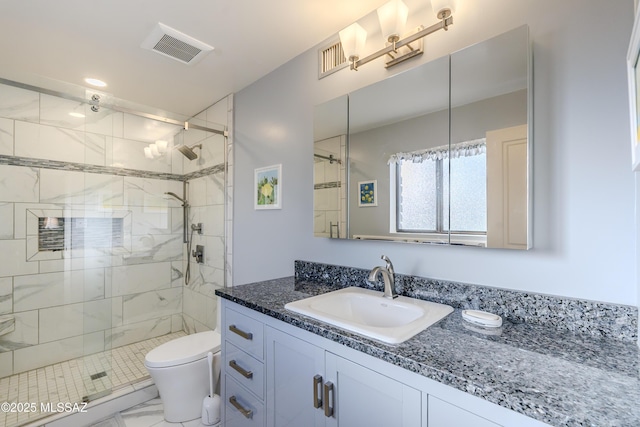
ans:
x=328 y=391
x=248 y=413
x=240 y=370
x=317 y=391
x=243 y=334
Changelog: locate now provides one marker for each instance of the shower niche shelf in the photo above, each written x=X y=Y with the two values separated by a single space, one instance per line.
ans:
x=56 y=233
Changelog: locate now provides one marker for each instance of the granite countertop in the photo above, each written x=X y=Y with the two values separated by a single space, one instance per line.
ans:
x=557 y=377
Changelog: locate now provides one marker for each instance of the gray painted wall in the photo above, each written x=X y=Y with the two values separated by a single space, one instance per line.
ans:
x=584 y=217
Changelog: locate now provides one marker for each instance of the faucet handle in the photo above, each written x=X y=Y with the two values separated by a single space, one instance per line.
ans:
x=389 y=263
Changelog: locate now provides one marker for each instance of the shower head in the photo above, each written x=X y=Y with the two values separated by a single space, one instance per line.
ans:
x=188 y=151
x=174 y=195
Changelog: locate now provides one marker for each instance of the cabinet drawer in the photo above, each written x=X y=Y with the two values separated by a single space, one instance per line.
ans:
x=245 y=333
x=242 y=409
x=248 y=371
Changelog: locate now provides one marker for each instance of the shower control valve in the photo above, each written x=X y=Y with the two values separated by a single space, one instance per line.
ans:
x=198 y=254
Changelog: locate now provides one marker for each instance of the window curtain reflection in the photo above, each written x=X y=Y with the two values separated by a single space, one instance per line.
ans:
x=461 y=149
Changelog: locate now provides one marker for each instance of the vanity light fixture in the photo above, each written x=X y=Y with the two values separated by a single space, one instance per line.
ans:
x=152 y=151
x=442 y=8
x=156 y=149
x=352 y=39
x=51 y=223
x=162 y=146
x=393 y=17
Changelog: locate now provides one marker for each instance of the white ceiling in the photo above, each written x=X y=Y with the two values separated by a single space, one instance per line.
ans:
x=45 y=42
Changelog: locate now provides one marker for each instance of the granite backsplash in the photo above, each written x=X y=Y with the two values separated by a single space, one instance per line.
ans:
x=590 y=317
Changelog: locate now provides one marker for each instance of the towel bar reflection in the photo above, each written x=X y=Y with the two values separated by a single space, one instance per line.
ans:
x=329 y=157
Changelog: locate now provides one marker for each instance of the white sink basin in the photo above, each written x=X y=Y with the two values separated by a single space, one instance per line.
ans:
x=368 y=313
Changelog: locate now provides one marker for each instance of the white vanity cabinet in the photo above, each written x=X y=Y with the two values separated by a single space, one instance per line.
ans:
x=242 y=373
x=443 y=414
x=308 y=386
x=362 y=397
x=301 y=379
x=295 y=377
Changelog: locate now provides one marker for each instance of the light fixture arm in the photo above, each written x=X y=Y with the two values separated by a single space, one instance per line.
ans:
x=442 y=25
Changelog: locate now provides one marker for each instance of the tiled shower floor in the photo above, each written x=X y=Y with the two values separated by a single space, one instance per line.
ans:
x=70 y=381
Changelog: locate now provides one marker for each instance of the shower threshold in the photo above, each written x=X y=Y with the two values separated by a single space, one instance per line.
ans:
x=75 y=382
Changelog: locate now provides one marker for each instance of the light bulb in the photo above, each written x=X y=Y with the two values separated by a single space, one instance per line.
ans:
x=147 y=153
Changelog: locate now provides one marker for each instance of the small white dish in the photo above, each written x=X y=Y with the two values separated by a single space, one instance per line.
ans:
x=482 y=318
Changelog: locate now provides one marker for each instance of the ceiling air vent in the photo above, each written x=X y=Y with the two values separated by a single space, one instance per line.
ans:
x=176 y=45
x=331 y=59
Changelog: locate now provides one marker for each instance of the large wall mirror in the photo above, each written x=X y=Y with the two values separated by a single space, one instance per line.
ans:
x=438 y=154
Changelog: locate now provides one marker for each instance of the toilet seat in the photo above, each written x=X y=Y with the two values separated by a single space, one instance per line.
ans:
x=183 y=350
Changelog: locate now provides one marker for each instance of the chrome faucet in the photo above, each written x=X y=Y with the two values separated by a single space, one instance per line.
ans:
x=388 y=276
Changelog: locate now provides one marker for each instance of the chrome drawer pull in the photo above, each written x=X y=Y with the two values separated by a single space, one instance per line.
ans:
x=248 y=413
x=243 y=334
x=317 y=391
x=240 y=370
x=328 y=389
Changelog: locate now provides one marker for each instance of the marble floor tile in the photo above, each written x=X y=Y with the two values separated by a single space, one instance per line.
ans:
x=70 y=381
x=194 y=423
x=115 y=421
x=150 y=414
x=145 y=415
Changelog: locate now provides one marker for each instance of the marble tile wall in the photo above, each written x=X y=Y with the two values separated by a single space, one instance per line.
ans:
x=87 y=299
x=207 y=198
x=68 y=303
x=329 y=195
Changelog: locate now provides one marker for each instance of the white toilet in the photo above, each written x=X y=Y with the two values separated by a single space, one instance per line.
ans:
x=179 y=370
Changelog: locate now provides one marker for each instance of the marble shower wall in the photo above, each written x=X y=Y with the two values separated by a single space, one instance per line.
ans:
x=329 y=194
x=69 y=303
x=206 y=178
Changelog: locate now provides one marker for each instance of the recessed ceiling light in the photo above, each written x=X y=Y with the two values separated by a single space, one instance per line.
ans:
x=95 y=82
x=78 y=115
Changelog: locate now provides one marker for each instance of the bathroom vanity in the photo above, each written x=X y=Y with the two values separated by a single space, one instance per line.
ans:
x=282 y=368
x=299 y=379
